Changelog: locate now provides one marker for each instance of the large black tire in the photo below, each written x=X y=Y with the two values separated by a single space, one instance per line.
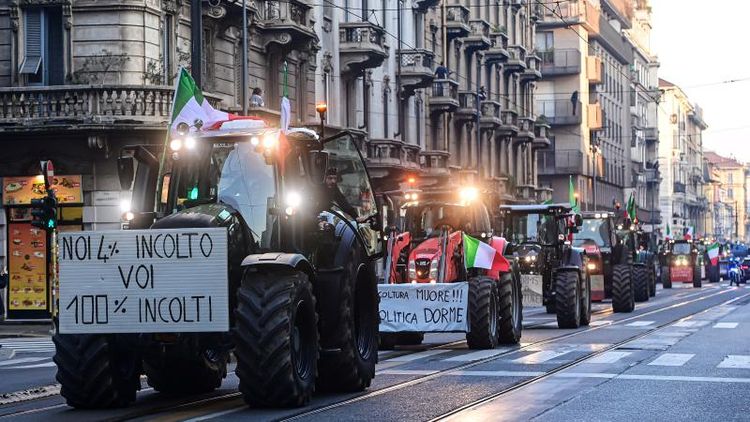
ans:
x=666 y=280
x=96 y=371
x=568 y=298
x=640 y=283
x=483 y=313
x=623 y=298
x=652 y=282
x=550 y=307
x=697 y=281
x=276 y=338
x=510 y=308
x=713 y=274
x=586 y=301
x=174 y=373
x=352 y=368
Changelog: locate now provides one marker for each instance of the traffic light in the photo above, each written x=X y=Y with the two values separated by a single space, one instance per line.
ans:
x=44 y=212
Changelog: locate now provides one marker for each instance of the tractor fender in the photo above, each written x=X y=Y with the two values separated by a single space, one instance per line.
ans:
x=499 y=244
x=278 y=260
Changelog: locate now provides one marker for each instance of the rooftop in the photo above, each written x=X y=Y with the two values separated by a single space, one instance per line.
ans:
x=721 y=161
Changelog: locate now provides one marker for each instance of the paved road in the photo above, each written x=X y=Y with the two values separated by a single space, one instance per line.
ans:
x=677 y=356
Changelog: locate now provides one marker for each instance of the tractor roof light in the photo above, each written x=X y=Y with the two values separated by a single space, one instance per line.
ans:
x=469 y=194
x=175 y=144
x=190 y=142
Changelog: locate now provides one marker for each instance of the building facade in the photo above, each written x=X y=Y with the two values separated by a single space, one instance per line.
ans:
x=727 y=209
x=681 y=193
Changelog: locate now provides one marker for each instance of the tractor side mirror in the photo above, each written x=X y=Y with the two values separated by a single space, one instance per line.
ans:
x=578 y=220
x=125 y=172
x=318 y=165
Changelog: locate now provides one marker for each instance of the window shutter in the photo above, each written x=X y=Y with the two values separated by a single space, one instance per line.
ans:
x=33 y=42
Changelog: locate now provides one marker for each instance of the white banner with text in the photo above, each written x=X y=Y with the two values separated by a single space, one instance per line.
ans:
x=424 y=307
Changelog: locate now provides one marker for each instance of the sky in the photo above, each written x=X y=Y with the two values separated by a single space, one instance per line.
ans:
x=700 y=42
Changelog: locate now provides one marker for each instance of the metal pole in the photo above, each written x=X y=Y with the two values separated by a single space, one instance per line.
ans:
x=596 y=165
x=479 y=116
x=399 y=93
x=196 y=33
x=245 y=76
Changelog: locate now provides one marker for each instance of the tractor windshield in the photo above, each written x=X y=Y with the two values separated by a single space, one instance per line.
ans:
x=681 y=249
x=233 y=173
x=427 y=220
x=532 y=228
x=594 y=229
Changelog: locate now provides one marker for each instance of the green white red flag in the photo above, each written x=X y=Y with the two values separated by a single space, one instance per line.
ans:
x=478 y=254
x=713 y=253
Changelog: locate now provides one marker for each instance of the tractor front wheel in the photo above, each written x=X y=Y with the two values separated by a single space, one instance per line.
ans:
x=623 y=299
x=510 y=308
x=483 y=313
x=666 y=280
x=697 y=282
x=568 y=299
x=586 y=300
x=641 y=281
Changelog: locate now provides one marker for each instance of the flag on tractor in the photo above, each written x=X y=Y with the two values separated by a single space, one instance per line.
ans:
x=478 y=254
x=713 y=253
x=189 y=105
x=689 y=231
x=669 y=231
x=572 y=195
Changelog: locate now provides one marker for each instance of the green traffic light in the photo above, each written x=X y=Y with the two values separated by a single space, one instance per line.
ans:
x=51 y=224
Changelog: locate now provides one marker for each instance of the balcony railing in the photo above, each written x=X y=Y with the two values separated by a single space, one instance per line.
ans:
x=498 y=51
x=362 y=46
x=571 y=12
x=392 y=154
x=517 y=59
x=444 y=95
x=560 y=112
x=436 y=162
x=457 y=20
x=560 y=162
x=100 y=104
x=679 y=187
x=416 y=69
x=479 y=36
x=291 y=17
x=565 y=61
x=491 y=114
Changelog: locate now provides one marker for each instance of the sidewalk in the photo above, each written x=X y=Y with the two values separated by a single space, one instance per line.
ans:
x=18 y=329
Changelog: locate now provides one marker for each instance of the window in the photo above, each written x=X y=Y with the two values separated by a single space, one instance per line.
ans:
x=730 y=193
x=168 y=48
x=730 y=178
x=43 y=46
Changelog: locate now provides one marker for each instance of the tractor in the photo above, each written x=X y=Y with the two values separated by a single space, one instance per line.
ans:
x=430 y=250
x=553 y=272
x=303 y=233
x=612 y=259
x=683 y=264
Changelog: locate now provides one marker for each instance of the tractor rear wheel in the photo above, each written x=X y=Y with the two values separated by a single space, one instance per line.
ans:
x=652 y=282
x=641 y=283
x=666 y=280
x=483 y=313
x=96 y=371
x=713 y=274
x=276 y=339
x=568 y=299
x=697 y=282
x=176 y=374
x=622 y=288
x=510 y=308
x=586 y=301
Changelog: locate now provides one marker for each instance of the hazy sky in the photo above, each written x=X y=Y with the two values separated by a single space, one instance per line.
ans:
x=700 y=42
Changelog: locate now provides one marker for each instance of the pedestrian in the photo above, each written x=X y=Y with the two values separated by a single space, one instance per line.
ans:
x=256 y=100
x=441 y=72
x=482 y=93
x=574 y=101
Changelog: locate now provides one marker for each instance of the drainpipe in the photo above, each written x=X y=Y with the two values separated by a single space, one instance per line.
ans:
x=196 y=34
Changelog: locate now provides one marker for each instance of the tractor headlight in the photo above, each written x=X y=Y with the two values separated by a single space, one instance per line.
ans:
x=469 y=194
x=175 y=144
x=527 y=258
x=293 y=201
x=190 y=142
x=591 y=266
x=269 y=140
x=434 y=269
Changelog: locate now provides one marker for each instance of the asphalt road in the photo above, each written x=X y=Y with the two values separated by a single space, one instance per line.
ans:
x=684 y=354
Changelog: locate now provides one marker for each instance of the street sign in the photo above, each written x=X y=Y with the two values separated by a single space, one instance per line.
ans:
x=143 y=281
x=437 y=307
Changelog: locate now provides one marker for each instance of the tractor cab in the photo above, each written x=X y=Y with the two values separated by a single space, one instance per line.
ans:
x=683 y=264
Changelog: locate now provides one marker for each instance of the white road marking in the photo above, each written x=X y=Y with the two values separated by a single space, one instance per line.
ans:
x=539 y=357
x=478 y=355
x=686 y=324
x=735 y=361
x=672 y=359
x=497 y=373
x=609 y=357
x=640 y=324
x=21 y=360
x=726 y=325
x=38 y=365
x=639 y=377
x=407 y=372
x=28 y=346
x=418 y=355
x=598 y=323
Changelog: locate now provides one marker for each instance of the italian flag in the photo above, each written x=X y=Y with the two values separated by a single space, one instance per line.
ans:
x=190 y=105
x=713 y=253
x=478 y=254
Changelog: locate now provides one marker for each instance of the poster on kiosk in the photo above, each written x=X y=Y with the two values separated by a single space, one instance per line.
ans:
x=29 y=293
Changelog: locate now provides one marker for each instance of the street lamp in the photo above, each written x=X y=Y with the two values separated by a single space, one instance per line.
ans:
x=322 y=108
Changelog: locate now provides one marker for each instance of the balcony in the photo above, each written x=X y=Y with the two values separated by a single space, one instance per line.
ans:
x=653 y=176
x=362 y=46
x=525 y=130
x=560 y=112
x=516 y=60
x=457 y=21
x=574 y=12
x=387 y=155
x=444 y=96
x=541 y=135
x=679 y=187
x=596 y=119
x=526 y=193
x=104 y=106
x=651 y=134
x=506 y=187
x=287 y=22
x=416 y=69
x=467 y=106
x=510 y=123
x=553 y=163
x=594 y=70
x=560 y=62
x=436 y=163
x=544 y=195
x=532 y=72
x=498 y=51
x=491 y=116
x=479 y=37
x=422 y=5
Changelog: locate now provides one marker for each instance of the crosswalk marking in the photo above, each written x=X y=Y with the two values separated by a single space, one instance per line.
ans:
x=640 y=324
x=418 y=355
x=726 y=325
x=539 y=357
x=20 y=360
x=609 y=357
x=38 y=365
x=478 y=355
x=686 y=324
x=672 y=359
x=598 y=323
x=28 y=346
x=735 y=361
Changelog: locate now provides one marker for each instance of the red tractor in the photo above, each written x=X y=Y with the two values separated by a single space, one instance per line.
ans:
x=431 y=250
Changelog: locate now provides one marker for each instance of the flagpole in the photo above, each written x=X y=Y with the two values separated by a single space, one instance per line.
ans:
x=245 y=81
x=167 y=133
